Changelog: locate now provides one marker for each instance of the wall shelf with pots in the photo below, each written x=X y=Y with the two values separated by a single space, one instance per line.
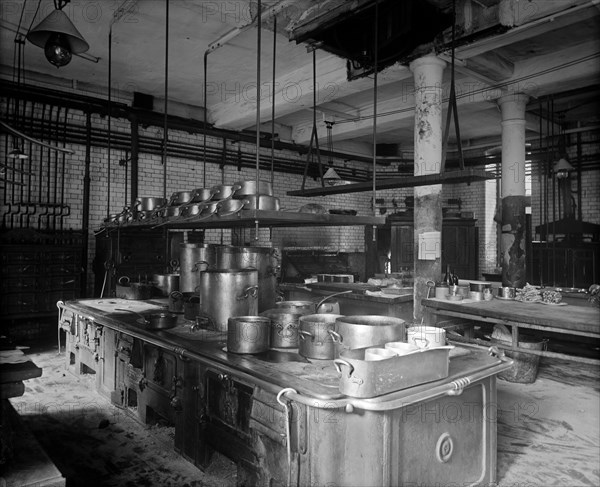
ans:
x=248 y=218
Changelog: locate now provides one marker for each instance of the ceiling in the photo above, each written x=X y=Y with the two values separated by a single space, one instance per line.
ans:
x=547 y=49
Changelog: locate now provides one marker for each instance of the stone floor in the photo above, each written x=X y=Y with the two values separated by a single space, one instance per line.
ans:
x=548 y=432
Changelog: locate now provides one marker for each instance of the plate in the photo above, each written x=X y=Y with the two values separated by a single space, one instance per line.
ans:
x=553 y=304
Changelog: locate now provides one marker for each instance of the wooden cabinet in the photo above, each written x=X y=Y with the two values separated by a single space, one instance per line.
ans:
x=460 y=245
x=572 y=265
x=38 y=270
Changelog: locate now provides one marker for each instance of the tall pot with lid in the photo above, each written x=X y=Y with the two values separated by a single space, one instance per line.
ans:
x=264 y=259
x=228 y=292
x=193 y=259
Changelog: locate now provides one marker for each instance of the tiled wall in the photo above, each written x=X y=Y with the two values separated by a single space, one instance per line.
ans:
x=187 y=174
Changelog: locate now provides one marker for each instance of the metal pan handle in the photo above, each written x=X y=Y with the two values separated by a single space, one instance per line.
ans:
x=303 y=334
x=250 y=291
x=338 y=362
x=335 y=336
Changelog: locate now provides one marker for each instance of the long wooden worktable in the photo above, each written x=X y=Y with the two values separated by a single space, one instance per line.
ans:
x=568 y=320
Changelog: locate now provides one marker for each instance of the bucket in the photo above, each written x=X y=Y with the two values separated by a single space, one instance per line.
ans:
x=525 y=365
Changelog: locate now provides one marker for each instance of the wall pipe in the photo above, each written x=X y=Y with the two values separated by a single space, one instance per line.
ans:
x=135 y=150
x=85 y=220
x=166 y=120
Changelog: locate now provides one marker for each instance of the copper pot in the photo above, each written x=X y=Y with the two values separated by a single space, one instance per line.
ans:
x=262 y=202
x=247 y=188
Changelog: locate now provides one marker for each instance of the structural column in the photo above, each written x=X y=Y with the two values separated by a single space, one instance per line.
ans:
x=427 y=72
x=514 y=201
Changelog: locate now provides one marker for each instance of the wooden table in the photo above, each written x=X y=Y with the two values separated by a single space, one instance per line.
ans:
x=27 y=464
x=568 y=320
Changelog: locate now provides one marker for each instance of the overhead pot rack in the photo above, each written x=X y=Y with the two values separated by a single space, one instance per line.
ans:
x=448 y=177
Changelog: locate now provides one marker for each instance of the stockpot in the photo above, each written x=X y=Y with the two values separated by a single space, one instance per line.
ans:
x=248 y=334
x=315 y=340
x=166 y=283
x=228 y=292
x=125 y=289
x=264 y=259
x=284 y=327
x=366 y=331
x=194 y=258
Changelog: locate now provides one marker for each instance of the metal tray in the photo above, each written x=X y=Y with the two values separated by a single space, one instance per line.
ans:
x=363 y=378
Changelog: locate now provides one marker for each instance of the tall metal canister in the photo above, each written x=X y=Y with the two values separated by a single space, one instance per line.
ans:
x=193 y=259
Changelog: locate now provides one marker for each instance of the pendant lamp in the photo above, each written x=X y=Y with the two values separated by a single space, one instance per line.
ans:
x=17 y=153
x=59 y=38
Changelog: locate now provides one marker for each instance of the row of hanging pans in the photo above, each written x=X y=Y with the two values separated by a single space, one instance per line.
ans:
x=201 y=203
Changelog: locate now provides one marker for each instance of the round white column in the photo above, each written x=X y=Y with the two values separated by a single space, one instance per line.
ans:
x=514 y=201
x=427 y=72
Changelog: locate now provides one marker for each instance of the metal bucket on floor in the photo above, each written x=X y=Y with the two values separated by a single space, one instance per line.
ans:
x=525 y=365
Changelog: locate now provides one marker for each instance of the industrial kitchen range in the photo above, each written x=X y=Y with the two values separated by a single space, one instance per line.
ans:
x=278 y=389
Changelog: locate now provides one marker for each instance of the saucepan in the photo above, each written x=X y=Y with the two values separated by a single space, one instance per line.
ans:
x=261 y=202
x=148 y=203
x=201 y=195
x=125 y=289
x=230 y=207
x=247 y=188
x=162 y=320
x=180 y=198
x=223 y=191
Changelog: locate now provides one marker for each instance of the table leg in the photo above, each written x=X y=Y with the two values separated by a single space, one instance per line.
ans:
x=515 y=336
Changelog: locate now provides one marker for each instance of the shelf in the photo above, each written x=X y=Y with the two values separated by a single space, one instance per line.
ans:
x=264 y=218
x=449 y=177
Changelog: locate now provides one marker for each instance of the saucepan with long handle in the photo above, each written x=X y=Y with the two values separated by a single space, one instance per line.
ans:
x=161 y=320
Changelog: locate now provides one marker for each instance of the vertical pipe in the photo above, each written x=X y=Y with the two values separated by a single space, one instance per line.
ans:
x=62 y=171
x=205 y=120
x=375 y=63
x=427 y=72
x=273 y=100
x=85 y=222
x=109 y=121
x=541 y=179
x=258 y=90
x=579 y=189
x=165 y=128
x=135 y=148
x=55 y=189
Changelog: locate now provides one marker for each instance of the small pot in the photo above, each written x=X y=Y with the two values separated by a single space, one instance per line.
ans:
x=176 y=302
x=125 y=289
x=247 y=188
x=507 y=292
x=479 y=286
x=248 y=334
x=315 y=340
x=166 y=283
x=262 y=202
x=284 y=328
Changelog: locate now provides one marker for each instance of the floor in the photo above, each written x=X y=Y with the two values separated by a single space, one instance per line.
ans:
x=548 y=432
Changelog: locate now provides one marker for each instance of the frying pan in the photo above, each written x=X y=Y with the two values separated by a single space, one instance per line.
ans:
x=161 y=320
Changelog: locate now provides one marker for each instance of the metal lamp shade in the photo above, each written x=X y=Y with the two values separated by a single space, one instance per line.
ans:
x=58 y=23
x=17 y=153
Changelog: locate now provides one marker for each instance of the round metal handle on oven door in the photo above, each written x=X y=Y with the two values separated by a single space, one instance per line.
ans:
x=250 y=291
x=303 y=334
x=124 y=280
x=338 y=362
x=335 y=336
